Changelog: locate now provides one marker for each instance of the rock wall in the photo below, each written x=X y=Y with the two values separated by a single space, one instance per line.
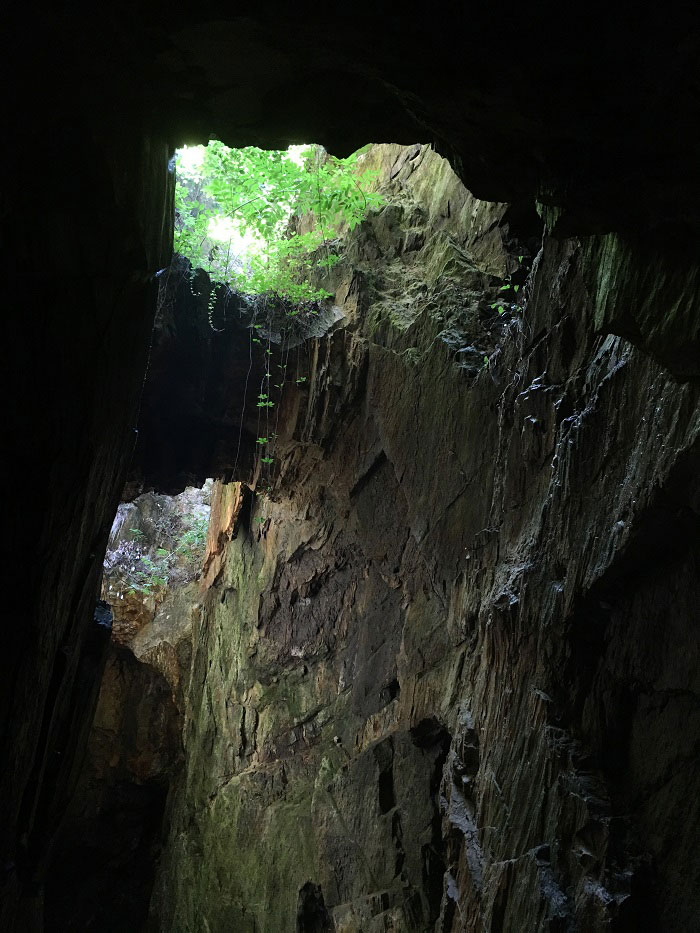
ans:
x=445 y=672
x=81 y=298
x=600 y=122
x=100 y=873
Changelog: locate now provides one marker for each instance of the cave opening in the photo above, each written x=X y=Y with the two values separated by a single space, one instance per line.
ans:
x=486 y=520
x=290 y=693
x=241 y=648
x=240 y=317
x=267 y=223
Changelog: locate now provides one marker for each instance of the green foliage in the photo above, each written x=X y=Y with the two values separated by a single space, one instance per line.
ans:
x=192 y=542
x=517 y=305
x=147 y=573
x=258 y=192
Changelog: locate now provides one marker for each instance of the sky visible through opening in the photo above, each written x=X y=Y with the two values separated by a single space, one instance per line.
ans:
x=221 y=230
x=267 y=222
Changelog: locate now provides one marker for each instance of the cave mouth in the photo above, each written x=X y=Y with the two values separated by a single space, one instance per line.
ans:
x=232 y=371
x=212 y=234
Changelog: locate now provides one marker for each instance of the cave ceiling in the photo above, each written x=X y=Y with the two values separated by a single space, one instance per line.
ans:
x=595 y=114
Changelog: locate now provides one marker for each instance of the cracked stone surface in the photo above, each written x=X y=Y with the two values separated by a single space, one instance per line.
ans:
x=449 y=680
x=598 y=124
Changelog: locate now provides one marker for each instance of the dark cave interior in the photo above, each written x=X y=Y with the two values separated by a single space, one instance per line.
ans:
x=593 y=128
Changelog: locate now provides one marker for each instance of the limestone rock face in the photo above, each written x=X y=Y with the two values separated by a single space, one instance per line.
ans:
x=445 y=674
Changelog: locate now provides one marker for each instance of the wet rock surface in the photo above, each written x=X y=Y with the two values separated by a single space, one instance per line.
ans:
x=439 y=672
x=599 y=123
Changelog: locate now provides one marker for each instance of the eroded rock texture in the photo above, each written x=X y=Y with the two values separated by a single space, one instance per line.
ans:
x=445 y=675
x=599 y=121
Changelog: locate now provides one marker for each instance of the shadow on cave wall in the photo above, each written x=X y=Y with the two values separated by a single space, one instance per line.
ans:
x=600 y=120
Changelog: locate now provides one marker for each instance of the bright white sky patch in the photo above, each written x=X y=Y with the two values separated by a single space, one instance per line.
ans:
x=222 y=228
x=190 y=158
x=295 y=153
x=225 y=230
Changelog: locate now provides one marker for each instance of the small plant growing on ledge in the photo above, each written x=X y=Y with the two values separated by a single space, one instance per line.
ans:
x=192 y=542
